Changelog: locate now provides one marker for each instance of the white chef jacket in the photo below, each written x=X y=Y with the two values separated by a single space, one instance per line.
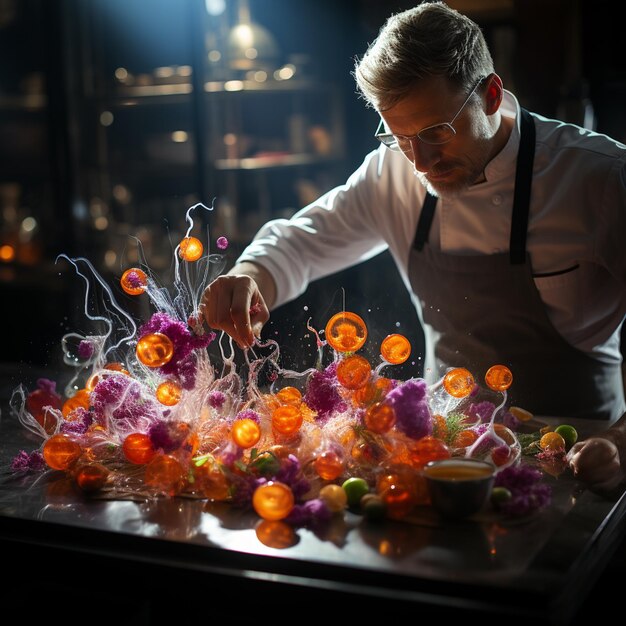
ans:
x=576 y=231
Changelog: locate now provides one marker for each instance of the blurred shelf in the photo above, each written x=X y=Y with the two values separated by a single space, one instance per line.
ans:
x=28 y=102
x=270 y=161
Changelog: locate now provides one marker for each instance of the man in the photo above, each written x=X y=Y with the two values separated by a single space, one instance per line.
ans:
x=505 y=227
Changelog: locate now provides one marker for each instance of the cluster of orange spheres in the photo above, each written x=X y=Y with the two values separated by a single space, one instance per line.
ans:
x=134 y=281
x=347 y=332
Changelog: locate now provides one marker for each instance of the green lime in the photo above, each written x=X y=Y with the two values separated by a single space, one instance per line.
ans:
x=355 y=489
x=500 y=495
x=569 y=434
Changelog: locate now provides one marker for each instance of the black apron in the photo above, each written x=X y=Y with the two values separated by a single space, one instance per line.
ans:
x=479 y=311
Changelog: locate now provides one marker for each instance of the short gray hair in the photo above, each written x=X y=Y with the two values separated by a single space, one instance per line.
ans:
x=430 y=39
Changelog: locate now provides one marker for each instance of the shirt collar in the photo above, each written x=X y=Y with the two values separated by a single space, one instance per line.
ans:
x=502 y=163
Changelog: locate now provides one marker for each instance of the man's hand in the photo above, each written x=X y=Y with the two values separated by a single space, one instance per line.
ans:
x=596 y=461
x=235 y=302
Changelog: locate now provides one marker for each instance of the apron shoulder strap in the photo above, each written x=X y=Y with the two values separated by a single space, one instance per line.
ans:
x=523 y=184
x=425 y=221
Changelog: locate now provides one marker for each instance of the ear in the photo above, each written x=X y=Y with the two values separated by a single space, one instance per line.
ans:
x=494 y=94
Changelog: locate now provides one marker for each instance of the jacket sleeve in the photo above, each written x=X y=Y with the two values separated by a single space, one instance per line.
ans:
x=337 y=231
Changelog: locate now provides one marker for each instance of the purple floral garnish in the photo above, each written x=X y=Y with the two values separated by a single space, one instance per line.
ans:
x=528 y=492
x=135 y=279
x=120 y=398
x=248 y=414
x=222 y=243
x=45 y=384
x=481 y=410
x=81 y=421
x=85 y=349
x=289 y=474
x=312 y=513
x=183 y=363
x=24 y=462
x=322 y=393
x=410 y=405
x=216 y=399
x=167 y=436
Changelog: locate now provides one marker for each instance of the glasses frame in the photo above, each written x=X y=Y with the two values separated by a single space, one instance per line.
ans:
x=391 y=140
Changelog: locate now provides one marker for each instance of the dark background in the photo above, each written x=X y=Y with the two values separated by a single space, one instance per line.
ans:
x=562 y=58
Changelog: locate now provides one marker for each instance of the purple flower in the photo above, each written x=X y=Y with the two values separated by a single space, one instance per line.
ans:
x=528 y=491
x=222 y=243
x=24 y=462
x=47 y=385
x=311 y=513
x=182 y=364
x=85 y=349
x=289 y=474
x=135 y=279
x=322 y=393
x=120 y=398
x=243 y=488
x=228 y=453
x=216 y=399
x=81 y=421
x=410 y=405
x=249 y=414
x=481 y=410
x=510 y=421
x=167 y=436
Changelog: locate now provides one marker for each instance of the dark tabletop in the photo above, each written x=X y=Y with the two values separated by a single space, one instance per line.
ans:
x=538 y=567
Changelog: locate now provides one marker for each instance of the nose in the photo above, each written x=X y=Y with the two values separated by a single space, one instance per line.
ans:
x=423 y=155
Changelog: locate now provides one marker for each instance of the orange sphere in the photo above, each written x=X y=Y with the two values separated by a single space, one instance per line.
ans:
x=372 y=391
x=190 y=249
x=155 y=349
x=91 y=476
x=353 y=372
x=116 y=367
x=287 y=419
x=465 y=438
x=346 y=332
x=328 y=465
x=552 y=441
x=138 y=448
x=499 y=377
x=395 y=349
x=276 y=534
x=168 y=393
x=245 y=432
x=458 y=382
x=36 y=403
x=273 y=500
x=165 y=474
x=79 y=400
x=289 y=395
x=211 y=482
x=428 y=449
x=379 y=418
x=60 y=452
x=134 y=281
x=399 y=493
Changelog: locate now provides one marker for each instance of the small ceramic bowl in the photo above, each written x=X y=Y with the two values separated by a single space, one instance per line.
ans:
x=459 y=487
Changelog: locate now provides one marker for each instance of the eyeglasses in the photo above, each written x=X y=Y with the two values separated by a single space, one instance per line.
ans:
x=434 y=135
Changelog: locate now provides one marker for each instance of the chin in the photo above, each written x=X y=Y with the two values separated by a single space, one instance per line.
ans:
x=442 y=188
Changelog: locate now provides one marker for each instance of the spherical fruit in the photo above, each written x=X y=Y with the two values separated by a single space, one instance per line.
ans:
x=500 y=495
x=373 y=507
x=569 y=434
x=355 y=489
x=552 y=441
